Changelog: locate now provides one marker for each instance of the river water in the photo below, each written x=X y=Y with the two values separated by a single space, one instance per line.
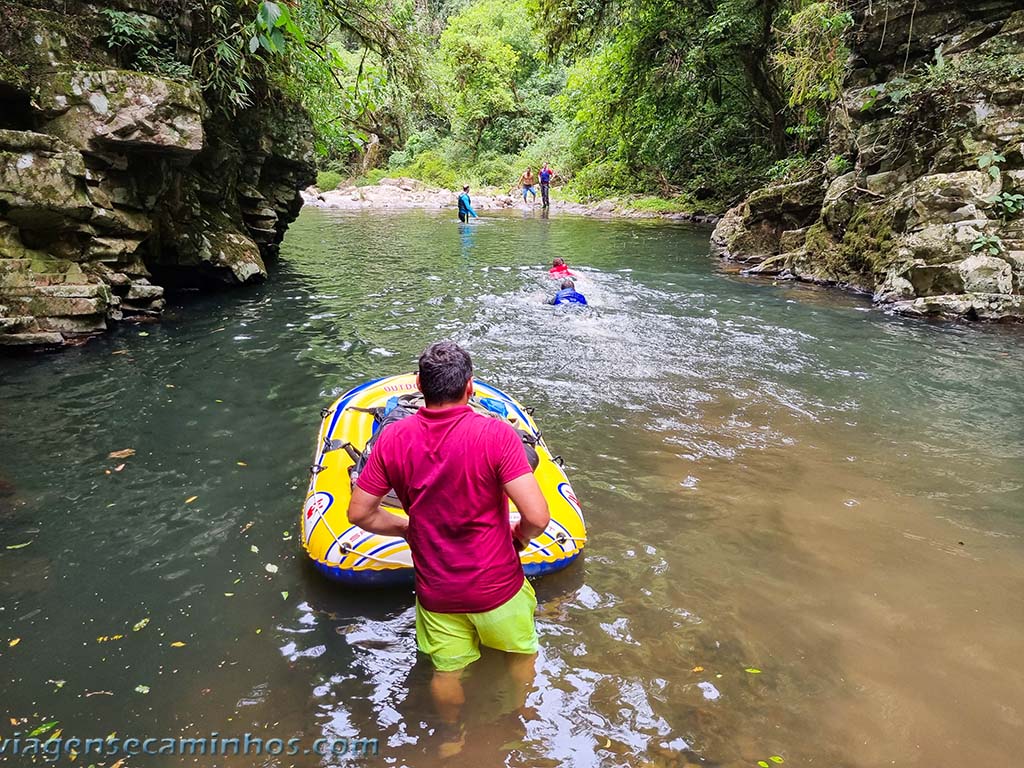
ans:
x=806 y=518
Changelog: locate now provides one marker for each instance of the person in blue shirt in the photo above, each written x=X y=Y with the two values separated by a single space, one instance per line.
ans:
x=465 y=208
x=568 y=295
x=546 y=174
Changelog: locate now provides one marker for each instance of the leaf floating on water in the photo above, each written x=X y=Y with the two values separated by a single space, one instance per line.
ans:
x=241 y=464
x=229 y=594
x=246 y=527
x=124 y=453
x=108 y=638
x=284 y=595
x=271 y=568
x=776 y=759
x=119 y=467
x=254 y=549
x=14 y=642
x=763 y=764
x=258 y=631
x=697 y=669
x=142 y=689
x=143 y=333
x=753 y=670
x=119 y=763
x=18 y=546
x=44 y=728
x=177 y=644
x=190 y=499
x=58 y=684
x=140 y=624
x=218 y=401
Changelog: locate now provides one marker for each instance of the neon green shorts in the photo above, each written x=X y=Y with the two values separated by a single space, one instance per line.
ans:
x=452 y=640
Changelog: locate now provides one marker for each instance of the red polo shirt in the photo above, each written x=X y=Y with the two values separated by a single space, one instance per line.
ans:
x=448 y=467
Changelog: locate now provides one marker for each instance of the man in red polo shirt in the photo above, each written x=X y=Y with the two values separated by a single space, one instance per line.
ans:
x=454 y=471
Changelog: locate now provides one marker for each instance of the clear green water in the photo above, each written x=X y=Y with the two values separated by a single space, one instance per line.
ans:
x=775 y=477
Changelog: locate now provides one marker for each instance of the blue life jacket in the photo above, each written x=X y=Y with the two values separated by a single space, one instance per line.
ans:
x=568 y=296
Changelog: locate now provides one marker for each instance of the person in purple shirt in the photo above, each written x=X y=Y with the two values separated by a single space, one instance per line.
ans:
x=546 y=175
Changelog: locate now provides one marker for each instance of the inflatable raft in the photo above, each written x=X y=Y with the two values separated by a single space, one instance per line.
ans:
x=346 y=553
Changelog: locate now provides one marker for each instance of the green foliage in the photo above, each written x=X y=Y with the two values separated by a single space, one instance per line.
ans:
x=812 y=57
x=328 y=180
x=812 y=53
x=678 y=204
x=791 y=168
x=837 y=165
x=139 y=46
x=988 y=244
x=991 y=162
x=431 y=167
x=493 y=87
x=273 y=23
x=684 y=91
x=1008 y=205
x=604 y=178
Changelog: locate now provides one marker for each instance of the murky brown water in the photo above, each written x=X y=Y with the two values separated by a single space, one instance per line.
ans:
x=807 y=520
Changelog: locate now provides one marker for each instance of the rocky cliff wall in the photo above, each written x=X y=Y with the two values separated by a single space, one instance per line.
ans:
x=115 y=184
x=914 y=201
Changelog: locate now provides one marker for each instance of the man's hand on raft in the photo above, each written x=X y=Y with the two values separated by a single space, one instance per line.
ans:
x=365 y=511
x=533 y=509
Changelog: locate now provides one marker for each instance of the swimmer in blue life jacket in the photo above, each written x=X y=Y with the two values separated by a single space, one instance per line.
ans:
x=568 y=295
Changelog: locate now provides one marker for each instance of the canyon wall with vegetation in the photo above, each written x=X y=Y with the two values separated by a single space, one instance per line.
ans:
x=917 y=197
x=124 y=170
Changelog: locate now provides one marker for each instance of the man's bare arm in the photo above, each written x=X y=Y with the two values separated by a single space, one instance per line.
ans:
x=533 y=507
x=365 y=511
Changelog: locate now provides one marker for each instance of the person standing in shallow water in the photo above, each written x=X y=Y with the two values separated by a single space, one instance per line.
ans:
x=527 y=182
x=546 y=175
x=465 y=205
x=454 y=471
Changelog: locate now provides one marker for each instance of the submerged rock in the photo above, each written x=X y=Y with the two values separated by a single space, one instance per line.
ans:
x=115 y=183
x=912 y=216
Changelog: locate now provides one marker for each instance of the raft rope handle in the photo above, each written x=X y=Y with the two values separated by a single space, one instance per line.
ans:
x=316 y=469
x=561 y=538
x=325 y=412
x=346 y=549
x=559 y=460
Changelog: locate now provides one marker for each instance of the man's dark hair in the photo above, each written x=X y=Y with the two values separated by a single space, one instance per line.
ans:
x=568 y=284
x=445 y=368
x=558 y=261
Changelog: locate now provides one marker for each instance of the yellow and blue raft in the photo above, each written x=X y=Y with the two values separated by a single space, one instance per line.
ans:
x=347 y=553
